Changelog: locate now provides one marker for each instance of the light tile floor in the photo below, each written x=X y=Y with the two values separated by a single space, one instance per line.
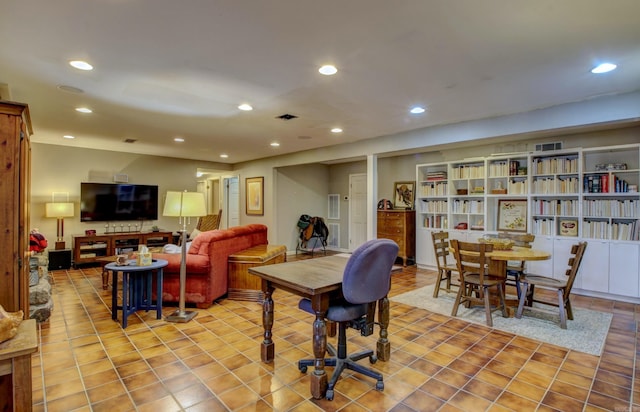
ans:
x=87 y=362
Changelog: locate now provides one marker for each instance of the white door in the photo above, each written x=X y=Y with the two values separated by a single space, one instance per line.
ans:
x=357 y=210
x=231 y=201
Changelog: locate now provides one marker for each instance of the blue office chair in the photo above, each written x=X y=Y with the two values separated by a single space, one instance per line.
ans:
x=366 y=279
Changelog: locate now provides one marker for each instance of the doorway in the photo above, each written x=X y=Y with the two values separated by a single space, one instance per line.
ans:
x=357 y=210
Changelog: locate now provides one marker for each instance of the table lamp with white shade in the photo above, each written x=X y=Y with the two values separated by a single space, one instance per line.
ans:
x=59 y=210
x=183 y=205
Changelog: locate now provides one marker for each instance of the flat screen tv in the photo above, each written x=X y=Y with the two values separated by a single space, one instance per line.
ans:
x=106 y=202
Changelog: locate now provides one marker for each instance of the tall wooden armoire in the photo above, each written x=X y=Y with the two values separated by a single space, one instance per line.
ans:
x=15 y=168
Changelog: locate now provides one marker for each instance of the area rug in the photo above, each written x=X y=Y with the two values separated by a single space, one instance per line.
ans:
x=586 y=333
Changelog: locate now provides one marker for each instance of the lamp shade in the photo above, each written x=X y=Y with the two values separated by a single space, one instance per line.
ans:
x=59 y=209
x=184 y=204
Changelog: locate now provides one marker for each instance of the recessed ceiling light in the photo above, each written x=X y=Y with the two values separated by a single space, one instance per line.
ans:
x=81 y=65
x=417 y=110
x=328 y=70
x=275 y=144
x=199 y=174
x=178 y=139
x=246 y=107
x=68 y=136
x=336 y=130
x=603 y=68
x=83 y=110
x=224 y=155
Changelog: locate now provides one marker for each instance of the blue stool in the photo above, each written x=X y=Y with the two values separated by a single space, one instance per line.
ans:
x=136 y=288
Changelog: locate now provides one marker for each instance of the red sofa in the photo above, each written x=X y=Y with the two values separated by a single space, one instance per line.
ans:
x=207 y=263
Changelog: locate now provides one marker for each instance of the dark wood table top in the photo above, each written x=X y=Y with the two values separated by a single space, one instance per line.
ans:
x=307 y=277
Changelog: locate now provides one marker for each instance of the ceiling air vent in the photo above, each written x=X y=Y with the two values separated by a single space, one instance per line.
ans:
x=543 y=147
x=286 y=116
x=130 y=140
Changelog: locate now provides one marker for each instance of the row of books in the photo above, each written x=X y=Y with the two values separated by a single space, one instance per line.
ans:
x=604 y=184
x=555 y=165
x=434 y=206
x=467 y=206
x=598 y=229
x=556 y=207
x=468 y=172
x=611 y=208
x=504 y=168
x=435 y=222
x=439 y=189
x=553 y=185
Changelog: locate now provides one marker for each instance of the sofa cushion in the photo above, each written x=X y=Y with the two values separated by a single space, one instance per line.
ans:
x=195 y=263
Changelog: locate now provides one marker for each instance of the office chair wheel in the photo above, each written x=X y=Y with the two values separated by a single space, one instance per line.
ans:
x=380 y=385
x=302 y=368
x=373 y=359
x=329 y=395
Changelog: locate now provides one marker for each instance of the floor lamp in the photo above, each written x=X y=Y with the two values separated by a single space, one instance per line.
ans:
x=183 y=205
x=59 y=210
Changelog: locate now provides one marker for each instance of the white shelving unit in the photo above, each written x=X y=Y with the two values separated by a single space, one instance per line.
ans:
x=572 y=195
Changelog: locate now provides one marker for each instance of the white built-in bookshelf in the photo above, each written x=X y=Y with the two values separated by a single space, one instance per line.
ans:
x=586 y=194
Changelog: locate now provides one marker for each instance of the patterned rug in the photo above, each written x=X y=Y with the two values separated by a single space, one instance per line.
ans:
x=586 y=333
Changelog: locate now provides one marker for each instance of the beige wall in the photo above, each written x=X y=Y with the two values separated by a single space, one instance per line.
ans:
x=61 y=169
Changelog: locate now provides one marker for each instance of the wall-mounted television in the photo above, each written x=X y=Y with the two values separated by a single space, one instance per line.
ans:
x=106 y=202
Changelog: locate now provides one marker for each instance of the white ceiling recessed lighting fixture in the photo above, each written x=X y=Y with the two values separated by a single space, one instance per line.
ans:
x=336 y=130
x=83 y=110
x=603 y=68
x=245 y=107
x=80 y=65
x=328 y=70
x=224 y=155
x=417 y=110
x=68 y=136
x=178 y=139
x=275 y=144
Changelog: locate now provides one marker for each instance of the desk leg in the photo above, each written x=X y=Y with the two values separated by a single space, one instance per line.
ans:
x=383 y=350
x=267 y=350
x=319 y=378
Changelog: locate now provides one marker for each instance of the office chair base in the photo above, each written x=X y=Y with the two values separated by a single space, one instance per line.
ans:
x=350 y=362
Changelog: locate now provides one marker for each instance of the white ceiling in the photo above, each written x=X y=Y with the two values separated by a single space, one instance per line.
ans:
x=166 y=68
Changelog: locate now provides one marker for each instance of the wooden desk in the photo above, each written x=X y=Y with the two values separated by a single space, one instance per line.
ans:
x=15 y=361
x=318 y=280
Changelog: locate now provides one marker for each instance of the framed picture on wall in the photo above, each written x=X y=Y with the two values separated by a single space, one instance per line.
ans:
x=403 y=195
x=254 y=191
x=512 y=215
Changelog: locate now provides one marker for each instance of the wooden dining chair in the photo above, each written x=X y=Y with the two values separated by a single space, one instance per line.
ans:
x=445 y=267
x=475 y=279
x=209 y=222
x=561 y=287
x=515 y=269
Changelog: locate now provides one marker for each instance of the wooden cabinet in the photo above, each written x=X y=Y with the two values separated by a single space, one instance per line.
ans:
x=399 y=226
x=15 y=129
x=87 y=249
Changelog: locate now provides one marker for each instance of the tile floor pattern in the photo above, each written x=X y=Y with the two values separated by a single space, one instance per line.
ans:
x=87 y=362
